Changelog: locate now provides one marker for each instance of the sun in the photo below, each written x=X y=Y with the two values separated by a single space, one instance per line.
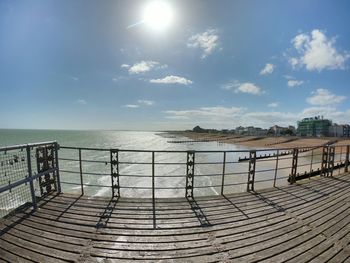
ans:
x=158 y=15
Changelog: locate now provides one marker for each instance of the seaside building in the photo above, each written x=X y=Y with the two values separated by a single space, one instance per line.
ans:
x=250 y=131
x=278 y=130
x=314 y=127
x=342 y=130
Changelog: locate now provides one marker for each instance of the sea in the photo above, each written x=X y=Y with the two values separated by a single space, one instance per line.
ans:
x=135 y=168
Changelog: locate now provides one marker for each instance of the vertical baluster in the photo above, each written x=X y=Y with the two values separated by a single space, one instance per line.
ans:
x=276 y=168
x=81 y=173
x=30 y=174
x=58 y=178
x=153 y=192
x=223 y=174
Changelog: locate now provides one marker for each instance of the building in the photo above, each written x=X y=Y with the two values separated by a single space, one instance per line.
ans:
x=314 y=127
x=251 y=131
x=278 y=130
x=337 y=130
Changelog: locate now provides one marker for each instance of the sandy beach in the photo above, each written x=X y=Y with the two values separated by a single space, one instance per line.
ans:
x=268 y=142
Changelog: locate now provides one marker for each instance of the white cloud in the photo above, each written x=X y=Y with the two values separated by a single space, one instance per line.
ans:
x=273 y=105
x=131 y=106
x=231 y=117
x=294 y=82
x=143 y=66
x=317 y=52
x=246 y=87
x=208 y=41
x=172 y=80
x=213 y=113
x=288 y=77
x=324 y=97
x=328 y=113
x=146 y=102
x=81 y=101
x=268 y=69
x=75 y=78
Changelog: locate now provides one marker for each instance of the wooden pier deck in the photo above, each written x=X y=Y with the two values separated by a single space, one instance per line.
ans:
x=305 y=222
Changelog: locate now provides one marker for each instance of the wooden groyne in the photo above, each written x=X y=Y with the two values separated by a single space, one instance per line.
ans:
x=271 y=155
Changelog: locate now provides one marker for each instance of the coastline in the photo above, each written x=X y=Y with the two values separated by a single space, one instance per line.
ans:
x=266 y=142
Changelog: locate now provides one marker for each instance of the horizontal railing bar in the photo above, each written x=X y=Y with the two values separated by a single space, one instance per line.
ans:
x=92 y=185
x=136 y=187
x=22 y=146
x=27 y=179
x=86 y=161
x=197 y=151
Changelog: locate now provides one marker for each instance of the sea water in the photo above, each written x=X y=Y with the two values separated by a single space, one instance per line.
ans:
x=136 y=170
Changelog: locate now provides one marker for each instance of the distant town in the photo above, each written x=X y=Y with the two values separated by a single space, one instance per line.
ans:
x=308 y=127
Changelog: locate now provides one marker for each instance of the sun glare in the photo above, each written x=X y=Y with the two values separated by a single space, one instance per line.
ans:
x=158 y=15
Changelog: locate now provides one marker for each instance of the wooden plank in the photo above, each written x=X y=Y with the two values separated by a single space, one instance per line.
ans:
x=303 y=222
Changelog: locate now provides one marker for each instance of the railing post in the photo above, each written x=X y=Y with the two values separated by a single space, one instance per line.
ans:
x=58 y=179
x=45 y=161
x=276 y=168
x=153 y=192
x=190 y=173
x=347 y=159
x=293 y=174
x=30 y=173
x=114 y=158
x=331 y=154
x=324 y=165
x=223 y=174
x=340 y=159
x=153 y=183
x=81 y=173
x=311 y=162
x=251 y=171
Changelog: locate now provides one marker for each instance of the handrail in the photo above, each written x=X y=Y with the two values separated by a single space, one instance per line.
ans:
x=22 y=146
x=197 y=151
x=227 y=169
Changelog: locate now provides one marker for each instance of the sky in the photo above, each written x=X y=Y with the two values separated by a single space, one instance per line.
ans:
x=87 y=64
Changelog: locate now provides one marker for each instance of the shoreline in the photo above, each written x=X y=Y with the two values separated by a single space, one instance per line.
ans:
x=267 y=142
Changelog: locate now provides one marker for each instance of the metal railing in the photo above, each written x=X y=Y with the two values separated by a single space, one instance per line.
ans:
x=31 y=171
x=196 y=173
x=27 y=172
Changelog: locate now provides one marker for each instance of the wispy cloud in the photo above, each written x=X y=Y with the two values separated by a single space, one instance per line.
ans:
x=294 y=82
x=172 y=80
x=131 y=106
x=125 y=66
x=74 y=78
x=217 y=113
x=268 y=69
x=142 y=66
x=226 y=117
x=207 y=41
x=324 y=97
x=246 y=87
x=146 y=102
x=317 y=52
x=273 y=105
x=81 y=101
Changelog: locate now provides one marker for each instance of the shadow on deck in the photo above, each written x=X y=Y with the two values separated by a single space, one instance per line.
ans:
x=297 y=223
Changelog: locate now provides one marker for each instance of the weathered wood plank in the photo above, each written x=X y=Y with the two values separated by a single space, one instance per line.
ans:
x=308 y=221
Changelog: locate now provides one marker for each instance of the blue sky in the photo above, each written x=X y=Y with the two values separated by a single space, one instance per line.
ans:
x=219 y=64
